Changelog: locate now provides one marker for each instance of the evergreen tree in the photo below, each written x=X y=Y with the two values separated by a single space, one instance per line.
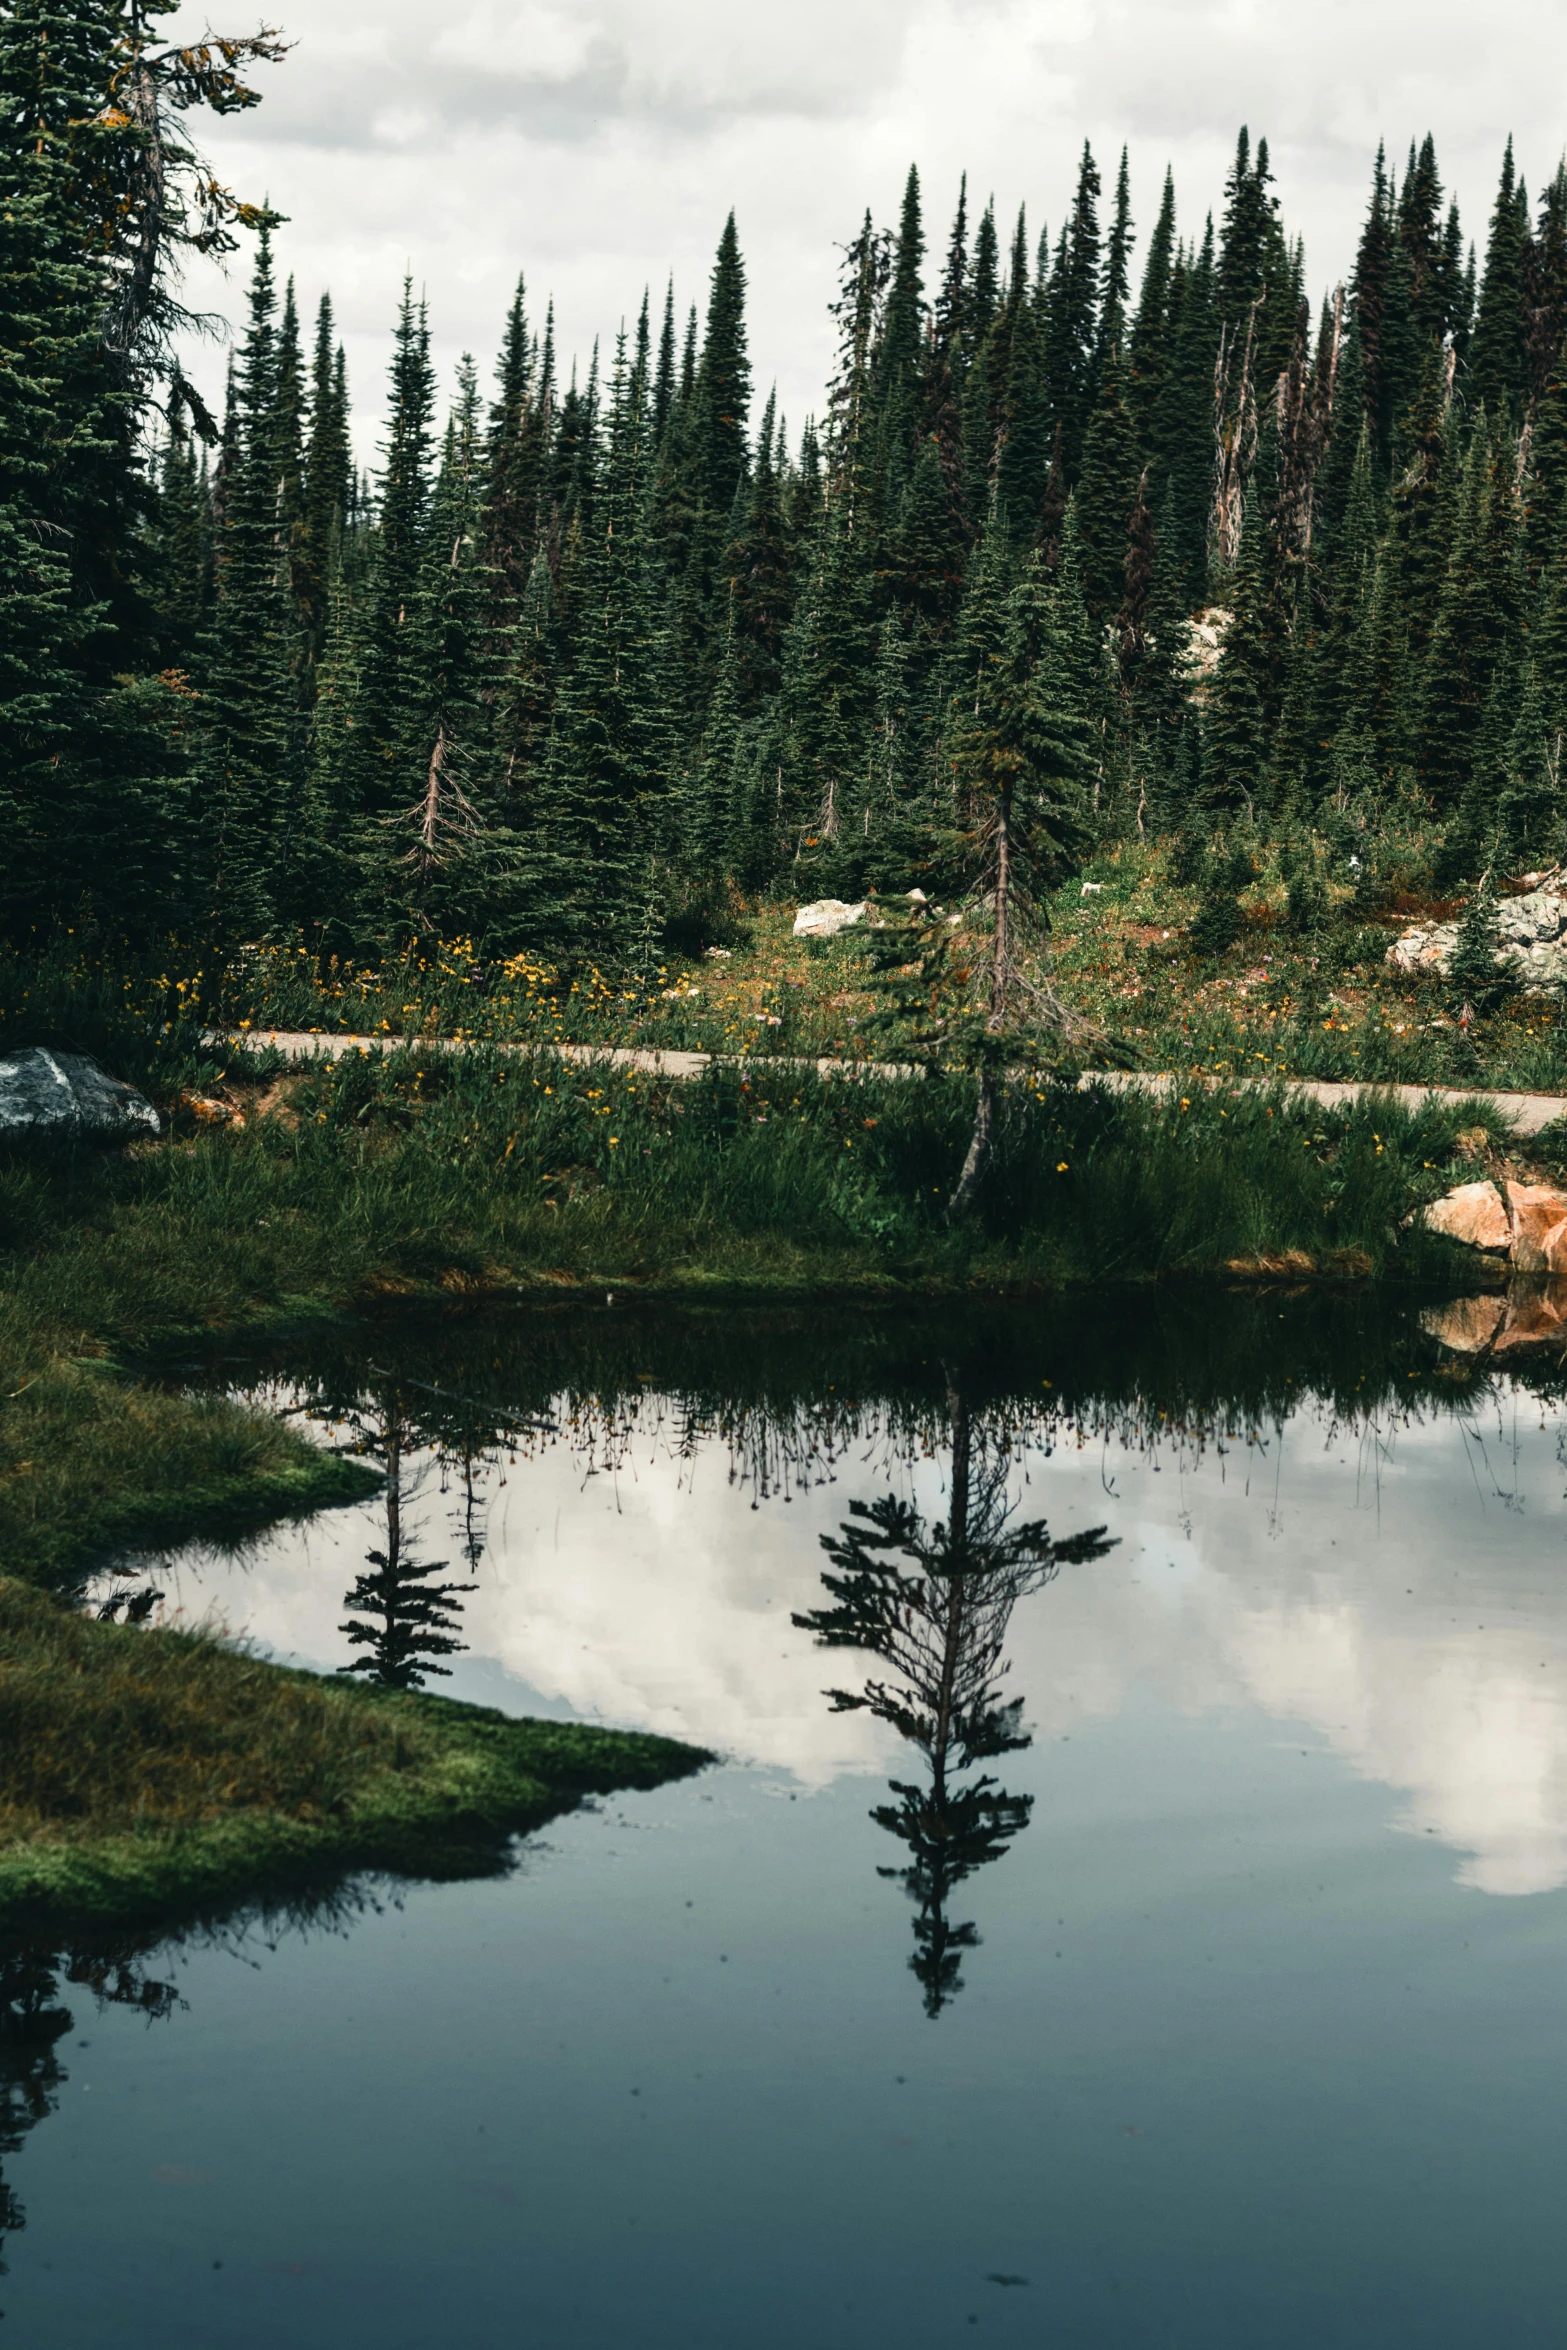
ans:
x=514 y=465
x=252 y=745
x=1018 y=746
x=1498 y=370
x=898 y=392
x=1106 y=493
x=388 y=752
x=1236 y=747
x=1369 y=290
x=1023 y=455
x=66 y=497
x=723 y=386
x=984 y=291
x=1073 y=332
x=1149 y=354
x=1532 y=808
x=760 y=565
x=926 y=569
x=328 y=474
x=1457 y=671
x=1184 y=454
x=1254 y=267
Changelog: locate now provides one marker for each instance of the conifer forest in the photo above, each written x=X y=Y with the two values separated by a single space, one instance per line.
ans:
x=1111 y=517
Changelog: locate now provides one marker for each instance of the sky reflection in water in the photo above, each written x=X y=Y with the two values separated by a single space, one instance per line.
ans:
x=1237 y=2016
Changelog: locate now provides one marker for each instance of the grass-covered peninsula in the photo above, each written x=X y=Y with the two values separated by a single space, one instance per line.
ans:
x=145 y=1771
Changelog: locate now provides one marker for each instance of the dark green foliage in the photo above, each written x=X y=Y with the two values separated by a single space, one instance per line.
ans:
x=610 y=651
x=1306 y=897
x=401 y=1619
x=1498 y=369
x=1474 y=976
x=723 y=384
x=932 y=1603
x=1236 y=737
x=1072 y=310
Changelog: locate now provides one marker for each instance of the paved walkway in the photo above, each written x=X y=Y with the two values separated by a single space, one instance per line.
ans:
x=1526 y=1112
x=313 y=1045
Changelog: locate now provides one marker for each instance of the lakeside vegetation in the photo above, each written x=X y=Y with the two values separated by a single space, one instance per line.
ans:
x=358 y=1185
x=184 y=1772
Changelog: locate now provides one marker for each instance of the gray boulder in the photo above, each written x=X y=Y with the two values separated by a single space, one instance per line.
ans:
x=1532 y=948
x=66 y=1094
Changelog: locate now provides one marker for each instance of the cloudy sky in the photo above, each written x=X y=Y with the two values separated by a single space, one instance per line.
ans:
x=597 y=144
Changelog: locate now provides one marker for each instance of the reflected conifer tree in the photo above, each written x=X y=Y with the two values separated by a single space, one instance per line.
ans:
x=934 y=1601
x=401 y=1618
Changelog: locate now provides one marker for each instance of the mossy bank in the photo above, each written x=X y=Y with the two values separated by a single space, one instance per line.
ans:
x=146 y=1772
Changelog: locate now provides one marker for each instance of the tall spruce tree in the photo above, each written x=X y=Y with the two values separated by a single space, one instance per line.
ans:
x=1498 y=367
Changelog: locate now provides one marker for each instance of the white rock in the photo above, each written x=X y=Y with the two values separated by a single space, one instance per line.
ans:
x=826 y=918
x=1533 y=949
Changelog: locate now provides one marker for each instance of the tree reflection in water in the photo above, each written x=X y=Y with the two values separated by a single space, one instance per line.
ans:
x=934 y=1601
x=32 y=2023
x=401 y=1618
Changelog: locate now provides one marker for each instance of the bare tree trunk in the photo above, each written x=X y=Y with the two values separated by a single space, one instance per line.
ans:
x=1000 y=988
x=957 y=1554
x=430 y=819
x=978 y=1149
x=392 y=1440
x=1235 y=442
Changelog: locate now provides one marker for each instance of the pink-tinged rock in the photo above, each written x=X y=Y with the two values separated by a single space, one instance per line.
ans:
x=1536 y=1315
x=1539 y=1227
x=1473 y=1213
x=1468 y=1325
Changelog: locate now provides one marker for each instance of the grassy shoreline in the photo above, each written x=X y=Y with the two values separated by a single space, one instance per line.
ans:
x=182 y=1772
x=366 y=1186
x=376 y=1183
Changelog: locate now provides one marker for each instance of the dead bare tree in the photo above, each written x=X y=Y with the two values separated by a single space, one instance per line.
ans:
x=1234 y=437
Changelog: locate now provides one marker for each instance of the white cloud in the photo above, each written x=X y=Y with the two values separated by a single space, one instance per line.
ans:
x=1374 y=1592
x=526 y=44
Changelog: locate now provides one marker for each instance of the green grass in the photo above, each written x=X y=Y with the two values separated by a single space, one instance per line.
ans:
x=144 y=1772
x=422 y=1175
x=378 y=1181
x=1320 y=1004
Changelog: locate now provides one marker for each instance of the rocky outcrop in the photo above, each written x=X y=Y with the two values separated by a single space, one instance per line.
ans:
x=1525 y=1222
x=1467 y=1325
x=1473 y=1213
x=1205 y=637
x=826 y=918
x=1538 y=1216
x=1533 y=948
x=65 y=1095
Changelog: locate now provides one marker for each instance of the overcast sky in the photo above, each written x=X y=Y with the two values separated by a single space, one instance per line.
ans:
x=597 y=144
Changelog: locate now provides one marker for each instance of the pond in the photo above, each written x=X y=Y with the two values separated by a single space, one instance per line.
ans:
x=1160 y=1939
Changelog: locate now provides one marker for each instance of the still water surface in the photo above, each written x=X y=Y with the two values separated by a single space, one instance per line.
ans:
x=1232 y=2010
